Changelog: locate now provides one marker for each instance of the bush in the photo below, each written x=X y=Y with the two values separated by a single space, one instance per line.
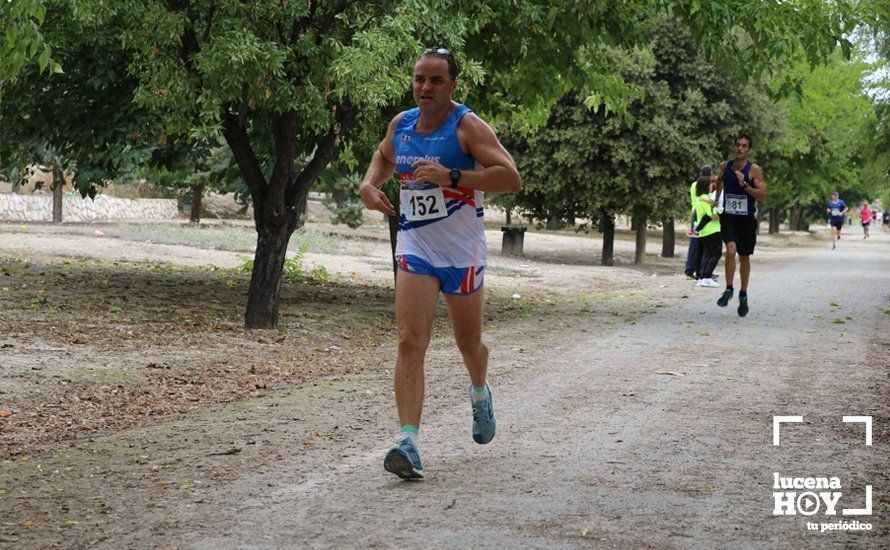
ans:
x=294 y=270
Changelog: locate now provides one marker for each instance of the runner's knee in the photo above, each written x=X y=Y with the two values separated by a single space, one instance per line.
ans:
x=413 y=340
x=470 y=345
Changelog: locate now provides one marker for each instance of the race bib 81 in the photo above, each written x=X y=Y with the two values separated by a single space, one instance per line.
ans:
x=736 y=204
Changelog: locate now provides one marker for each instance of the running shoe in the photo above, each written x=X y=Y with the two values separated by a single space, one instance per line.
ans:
x=404 y=461
x=724 y=299
x=709 y=283
x=483 y=418
x=743 y=306
x=833 y=246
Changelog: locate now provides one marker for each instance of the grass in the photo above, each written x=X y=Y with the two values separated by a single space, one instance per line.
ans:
x=216 y=237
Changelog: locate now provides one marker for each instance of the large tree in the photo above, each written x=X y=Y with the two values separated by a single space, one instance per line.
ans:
x=289 y=85
x=821 y=141
x=81 y=121
x=589 y=164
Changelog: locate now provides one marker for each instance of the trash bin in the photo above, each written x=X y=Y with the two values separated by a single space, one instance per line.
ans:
x=513 y=240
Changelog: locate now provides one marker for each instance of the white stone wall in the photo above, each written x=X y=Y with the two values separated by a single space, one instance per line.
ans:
x=32 y=208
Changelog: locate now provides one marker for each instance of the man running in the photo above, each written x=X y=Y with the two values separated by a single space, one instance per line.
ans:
x=865 y=216
x=446 y=157
x=739 y=186
x=836 y=210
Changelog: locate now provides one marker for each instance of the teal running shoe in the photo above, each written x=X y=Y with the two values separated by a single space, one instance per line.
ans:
x=404 y=461
x=724 y=299
x=483 y=419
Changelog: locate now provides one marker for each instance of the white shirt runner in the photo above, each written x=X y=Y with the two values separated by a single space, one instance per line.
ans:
x=423 y=204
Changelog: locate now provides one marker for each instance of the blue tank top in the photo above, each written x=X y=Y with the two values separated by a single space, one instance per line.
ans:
x=736 y=202
x=456 y=236
x=441 y=146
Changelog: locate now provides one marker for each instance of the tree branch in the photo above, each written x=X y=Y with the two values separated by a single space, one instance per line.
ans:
x=302 y=24
x=284 y=135
x=209 y=21
x=236 y=137
x=324 y=153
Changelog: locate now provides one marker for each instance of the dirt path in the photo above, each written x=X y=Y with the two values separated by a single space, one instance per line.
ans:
x=598 y=446
x=637 y=423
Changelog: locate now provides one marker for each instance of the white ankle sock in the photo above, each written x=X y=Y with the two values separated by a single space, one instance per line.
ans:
x=479 y=394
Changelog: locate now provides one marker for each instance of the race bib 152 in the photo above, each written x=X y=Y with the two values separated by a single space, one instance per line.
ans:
x=423 y=204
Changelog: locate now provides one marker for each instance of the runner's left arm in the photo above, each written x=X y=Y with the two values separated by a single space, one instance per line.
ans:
x=498 y=173
x=758 y=190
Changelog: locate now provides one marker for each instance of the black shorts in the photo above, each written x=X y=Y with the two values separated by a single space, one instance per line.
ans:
x=837 y=224
x=741 y=230
x=866 y=224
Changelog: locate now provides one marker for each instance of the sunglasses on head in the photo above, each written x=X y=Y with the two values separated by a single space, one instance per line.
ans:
x=439 y=51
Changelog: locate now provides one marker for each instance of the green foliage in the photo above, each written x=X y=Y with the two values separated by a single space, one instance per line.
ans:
x=294 y=270
x=22 y=41
x=586 y=162
x=177 y=168
x=822 y=140
x=341 y=187
x=84 y=118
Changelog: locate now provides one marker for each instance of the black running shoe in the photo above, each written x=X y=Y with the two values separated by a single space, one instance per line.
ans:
x=743 y=306
x=724 y=299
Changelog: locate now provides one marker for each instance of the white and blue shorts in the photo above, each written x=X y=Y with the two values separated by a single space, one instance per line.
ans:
x=461 y=281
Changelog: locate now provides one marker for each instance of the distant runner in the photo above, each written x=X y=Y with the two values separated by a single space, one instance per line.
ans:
x=739 y=186
x=446 y=157
x=837 y=210
x=865 y=216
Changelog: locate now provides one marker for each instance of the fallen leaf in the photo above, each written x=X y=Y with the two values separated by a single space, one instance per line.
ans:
x=5 y=414
x=670 y=373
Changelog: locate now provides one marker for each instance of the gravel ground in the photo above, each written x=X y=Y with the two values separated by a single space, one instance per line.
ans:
x=632 y=412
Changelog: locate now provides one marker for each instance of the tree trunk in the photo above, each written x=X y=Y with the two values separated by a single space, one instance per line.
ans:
x=265 y=280
x=393 y=236
x=302 y=209
x=276 y=199
x=392 y=192
x=552 y=222
x=58 y=186
x=509 y=212
x=796 y=218
x=775 y=218
x=197 y=194
x=607 y=222
x=667 y=239
x=17 y=186
x=639 y=221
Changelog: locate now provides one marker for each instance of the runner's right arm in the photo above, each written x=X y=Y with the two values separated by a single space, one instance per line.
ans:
x=379 y=171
